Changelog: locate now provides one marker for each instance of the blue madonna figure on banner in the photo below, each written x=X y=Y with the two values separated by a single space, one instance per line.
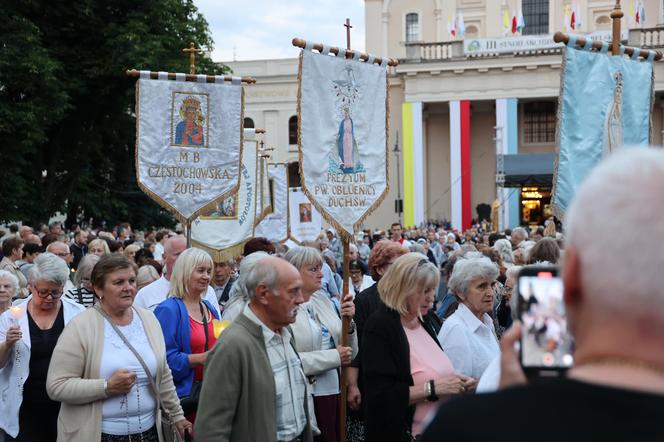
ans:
x=347 y=158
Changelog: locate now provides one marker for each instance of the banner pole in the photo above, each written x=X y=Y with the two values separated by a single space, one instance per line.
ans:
x=188 y=230
x=345 y=326
x=616 y=16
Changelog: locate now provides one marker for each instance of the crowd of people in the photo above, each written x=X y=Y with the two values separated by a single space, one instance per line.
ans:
x=120 y=336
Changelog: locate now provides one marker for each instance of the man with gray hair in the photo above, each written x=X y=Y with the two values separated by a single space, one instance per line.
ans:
x=615 y=310
x=254 y=387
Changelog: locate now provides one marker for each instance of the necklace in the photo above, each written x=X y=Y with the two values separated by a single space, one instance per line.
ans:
x=125 y=404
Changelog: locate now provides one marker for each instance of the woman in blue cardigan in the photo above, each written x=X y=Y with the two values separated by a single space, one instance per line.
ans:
x=186 y=321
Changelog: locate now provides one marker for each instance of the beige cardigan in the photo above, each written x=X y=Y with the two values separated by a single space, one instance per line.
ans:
x=73 y=375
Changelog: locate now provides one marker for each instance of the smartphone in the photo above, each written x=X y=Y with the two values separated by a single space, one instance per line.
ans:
x=546 y=347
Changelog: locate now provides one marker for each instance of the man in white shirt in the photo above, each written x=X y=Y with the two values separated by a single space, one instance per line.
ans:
x=155 y=293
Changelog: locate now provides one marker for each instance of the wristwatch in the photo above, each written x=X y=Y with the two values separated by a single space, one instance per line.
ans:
x=430 y=389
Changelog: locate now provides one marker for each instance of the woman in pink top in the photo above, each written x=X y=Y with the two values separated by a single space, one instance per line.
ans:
x=405 y=369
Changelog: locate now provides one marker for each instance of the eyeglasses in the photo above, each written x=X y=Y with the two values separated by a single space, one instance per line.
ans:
x=62 y=255
x=44 y=293
x=314 y=270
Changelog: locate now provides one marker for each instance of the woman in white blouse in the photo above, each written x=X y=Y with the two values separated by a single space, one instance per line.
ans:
x=106 y=394
x=468 y=336
x=317 y=333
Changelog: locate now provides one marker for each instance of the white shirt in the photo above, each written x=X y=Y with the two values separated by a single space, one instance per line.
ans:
x=134 y=412
x=17 y=369
x=156 y=292
x=367 y=281
x=158 y=252
x=327 y=383
x=289 y=380
x=470 y=344
x=490 y=378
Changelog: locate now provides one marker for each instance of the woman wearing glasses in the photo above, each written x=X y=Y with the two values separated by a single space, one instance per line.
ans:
x=317 y=333
x=28 y=334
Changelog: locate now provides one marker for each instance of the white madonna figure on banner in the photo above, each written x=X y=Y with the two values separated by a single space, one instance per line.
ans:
x=343 y=116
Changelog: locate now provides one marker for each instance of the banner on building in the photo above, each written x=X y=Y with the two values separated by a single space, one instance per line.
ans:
x=188 y=142
x=223 y=230
x=605 y=103
x=343 y=109
x=304 y=219
x=275 y=225
x=264 y=195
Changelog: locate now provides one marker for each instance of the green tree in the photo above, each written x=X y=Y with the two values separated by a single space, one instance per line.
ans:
x=67 y=124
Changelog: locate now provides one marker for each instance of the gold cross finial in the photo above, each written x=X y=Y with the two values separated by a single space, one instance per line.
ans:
x=192 y=56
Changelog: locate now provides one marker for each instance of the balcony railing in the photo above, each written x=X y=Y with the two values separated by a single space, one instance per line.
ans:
x=418 y=52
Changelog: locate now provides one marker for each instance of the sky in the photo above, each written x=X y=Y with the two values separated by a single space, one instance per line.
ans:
x=263 y=29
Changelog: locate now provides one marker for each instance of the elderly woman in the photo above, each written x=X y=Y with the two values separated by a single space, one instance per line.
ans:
x=12 y=250
x=98 y=247
x=504 y=248
x=468 y=336
x=8 y=290
x=186 y=320
x=317 y=332
x=404 y=369
x=28 y=334
x=82 y=291
x=130 y=251
x=147 y=274
x=106 y=393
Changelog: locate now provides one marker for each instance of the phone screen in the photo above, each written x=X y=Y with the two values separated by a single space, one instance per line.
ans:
x=545 y=341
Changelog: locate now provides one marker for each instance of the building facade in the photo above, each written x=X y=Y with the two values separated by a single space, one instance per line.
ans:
x=472 y=103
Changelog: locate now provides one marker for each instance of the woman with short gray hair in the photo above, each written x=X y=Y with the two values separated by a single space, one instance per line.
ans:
x=28 y=334
x=317 y=332
x=468 y=336
x=8 y=289
x=82 y=291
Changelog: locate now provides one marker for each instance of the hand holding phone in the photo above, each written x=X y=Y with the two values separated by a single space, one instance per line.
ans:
x=546 y=345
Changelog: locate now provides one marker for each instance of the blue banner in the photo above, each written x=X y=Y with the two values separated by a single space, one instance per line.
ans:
x=605 y=103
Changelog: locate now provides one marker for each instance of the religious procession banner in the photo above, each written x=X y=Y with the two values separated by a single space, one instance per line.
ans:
x=343 y=113
x=264 y=195
x=275 y=225
x=305 y=221
x=188 y=141
x=223 y=230
x=605 y=103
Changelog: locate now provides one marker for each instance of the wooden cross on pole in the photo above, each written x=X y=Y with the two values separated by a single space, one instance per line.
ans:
x=192 y=56
x=348 y=26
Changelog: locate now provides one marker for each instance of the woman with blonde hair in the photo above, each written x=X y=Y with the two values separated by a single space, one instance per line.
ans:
x=147 y=274
x=403 y=366
x=99 y=247
x=130 y=251
x=186 y=320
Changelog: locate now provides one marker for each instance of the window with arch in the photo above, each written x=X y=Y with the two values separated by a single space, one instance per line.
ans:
x=536 y=16
x=412 y=27
x=292 y=130
x=248 y=123
x=603 y=23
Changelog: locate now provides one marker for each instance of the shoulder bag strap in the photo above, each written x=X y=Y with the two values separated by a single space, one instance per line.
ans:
x=205 y=323
x=138 y=357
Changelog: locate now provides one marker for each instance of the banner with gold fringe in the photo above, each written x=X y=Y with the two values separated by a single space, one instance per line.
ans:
x=223 y=230
x=275 y=225
x=188 y=141
x=343 y=122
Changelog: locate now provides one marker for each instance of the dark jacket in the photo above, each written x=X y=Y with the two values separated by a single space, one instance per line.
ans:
x=386 y=374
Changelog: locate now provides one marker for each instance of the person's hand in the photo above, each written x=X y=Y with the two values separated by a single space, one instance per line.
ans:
x=183 y=425
x=354 y=397
x=348 y=307
x=511 y=372
x=450 y=384
x=469 y=384
x=120 y=382
x=14 y=335
x=345 y=354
